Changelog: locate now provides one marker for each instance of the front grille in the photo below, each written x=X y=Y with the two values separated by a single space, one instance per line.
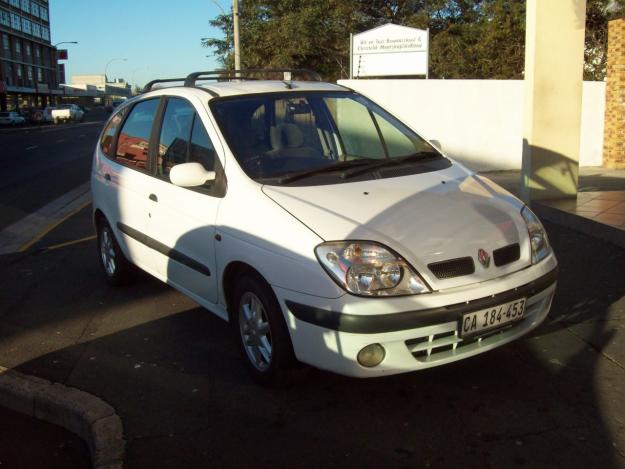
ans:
x=452 y=268
x=506 y=254
x=446 y=342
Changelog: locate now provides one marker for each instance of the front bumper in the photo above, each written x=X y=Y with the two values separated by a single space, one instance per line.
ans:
x=416 y=332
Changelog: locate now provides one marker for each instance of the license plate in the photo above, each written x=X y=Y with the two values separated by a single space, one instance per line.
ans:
x=491 y=318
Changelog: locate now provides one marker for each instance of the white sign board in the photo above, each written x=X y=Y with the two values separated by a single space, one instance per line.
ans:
x=390 y=50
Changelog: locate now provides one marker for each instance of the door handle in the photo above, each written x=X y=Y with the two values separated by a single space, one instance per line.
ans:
x=153 y=197
x=107 y=176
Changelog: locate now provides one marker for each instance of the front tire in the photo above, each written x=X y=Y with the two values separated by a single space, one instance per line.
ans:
x=262 y=334
x=117 y=269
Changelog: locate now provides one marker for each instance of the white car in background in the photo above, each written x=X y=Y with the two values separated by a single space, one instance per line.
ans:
x=11 y=118
x=67 y=113
x=322 y=227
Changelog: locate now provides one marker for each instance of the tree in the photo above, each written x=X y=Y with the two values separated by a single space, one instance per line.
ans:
x=468 y=38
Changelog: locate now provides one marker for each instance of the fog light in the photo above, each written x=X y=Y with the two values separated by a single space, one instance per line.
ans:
x=371 y=355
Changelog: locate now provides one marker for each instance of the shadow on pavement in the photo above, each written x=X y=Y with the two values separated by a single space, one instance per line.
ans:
x=174 y=375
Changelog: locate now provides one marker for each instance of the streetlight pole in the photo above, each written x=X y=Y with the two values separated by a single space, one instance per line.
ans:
x=65 y=42
x=106 y=69
x=109 y=63
x=237 y=45
x=235 y=27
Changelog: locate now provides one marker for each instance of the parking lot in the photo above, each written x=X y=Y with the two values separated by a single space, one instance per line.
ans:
x=172 y=370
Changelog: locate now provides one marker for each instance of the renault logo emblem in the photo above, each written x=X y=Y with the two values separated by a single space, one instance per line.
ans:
x=483 y=257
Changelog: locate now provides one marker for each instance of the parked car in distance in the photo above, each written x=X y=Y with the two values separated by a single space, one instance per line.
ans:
x=47 y=114
x=11 y=118
x=67 y=112
x=318 y=224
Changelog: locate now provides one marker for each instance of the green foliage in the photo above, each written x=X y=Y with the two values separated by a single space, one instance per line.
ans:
x=478 y=39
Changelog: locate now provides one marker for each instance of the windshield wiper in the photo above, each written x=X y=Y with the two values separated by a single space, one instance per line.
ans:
x=419 y=156
x=324 y=169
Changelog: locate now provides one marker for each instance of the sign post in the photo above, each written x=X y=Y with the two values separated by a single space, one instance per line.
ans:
x=390 y=50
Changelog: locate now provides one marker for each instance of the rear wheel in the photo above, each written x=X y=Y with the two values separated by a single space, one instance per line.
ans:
x=116 y=267
x=263 y=337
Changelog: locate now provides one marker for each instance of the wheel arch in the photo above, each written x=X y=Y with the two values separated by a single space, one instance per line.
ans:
x=230 y=273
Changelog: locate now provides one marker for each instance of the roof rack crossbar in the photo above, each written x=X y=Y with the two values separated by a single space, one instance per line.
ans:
x=149 y=86
x=241 y=74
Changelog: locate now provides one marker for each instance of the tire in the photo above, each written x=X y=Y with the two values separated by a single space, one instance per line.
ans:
x=117 y=269
x=261 y=331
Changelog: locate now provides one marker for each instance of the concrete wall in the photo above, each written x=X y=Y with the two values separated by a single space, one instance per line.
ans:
x=479 y=122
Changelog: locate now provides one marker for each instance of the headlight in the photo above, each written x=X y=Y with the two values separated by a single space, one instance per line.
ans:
x=369 y=269
x=538 y=236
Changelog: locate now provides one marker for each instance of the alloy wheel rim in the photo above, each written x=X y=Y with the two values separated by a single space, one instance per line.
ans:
x=107 y=252
x=255 y=331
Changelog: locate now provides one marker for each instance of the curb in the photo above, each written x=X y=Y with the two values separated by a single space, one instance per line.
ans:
x=581 y=224
x=82 y=413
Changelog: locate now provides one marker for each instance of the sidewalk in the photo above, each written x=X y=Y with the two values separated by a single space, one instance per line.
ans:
x=598 y=210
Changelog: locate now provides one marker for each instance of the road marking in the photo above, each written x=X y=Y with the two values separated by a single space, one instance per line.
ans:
x=53 y=225
x=61 y=140
x=71 y=243
x=32 y=148
x=30 y=229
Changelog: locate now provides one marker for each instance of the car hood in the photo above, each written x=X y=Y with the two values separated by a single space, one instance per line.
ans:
x=426 y=218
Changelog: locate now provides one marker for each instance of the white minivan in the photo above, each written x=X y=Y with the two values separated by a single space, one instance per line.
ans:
x=317 y=223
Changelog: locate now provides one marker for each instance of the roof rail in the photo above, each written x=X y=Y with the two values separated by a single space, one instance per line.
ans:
x=244 y=74
x=149 y=86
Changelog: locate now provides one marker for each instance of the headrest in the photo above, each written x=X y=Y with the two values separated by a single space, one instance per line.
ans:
x=286 y=135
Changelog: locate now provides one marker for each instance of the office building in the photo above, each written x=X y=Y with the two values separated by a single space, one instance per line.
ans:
x=29 y=73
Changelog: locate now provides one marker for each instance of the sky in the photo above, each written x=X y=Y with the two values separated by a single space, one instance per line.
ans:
x=159 y=38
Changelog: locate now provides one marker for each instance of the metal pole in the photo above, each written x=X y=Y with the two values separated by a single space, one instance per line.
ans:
x=427 y=57
x=351 y=56
x=237 y=45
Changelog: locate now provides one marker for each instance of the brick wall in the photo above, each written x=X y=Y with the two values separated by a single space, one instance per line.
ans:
x=614 y=133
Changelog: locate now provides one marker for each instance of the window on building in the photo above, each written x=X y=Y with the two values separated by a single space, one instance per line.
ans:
x=8 y=68
x=36 y=30
x=45 y=33
x=5 y=42
x=16 y=22
x=15 y=3
x=26 y=6
x=26 y=26
x=29 y=72
x=18 y=71
x=43 y=13
x=37 y=51
x=18 y=46
x=29 y=50
x=39 y=76
x=5 y=18
x=34 y=9
x=175 y=134
x=133 y=145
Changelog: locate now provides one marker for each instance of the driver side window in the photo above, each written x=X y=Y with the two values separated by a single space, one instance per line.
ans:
x=183 y=139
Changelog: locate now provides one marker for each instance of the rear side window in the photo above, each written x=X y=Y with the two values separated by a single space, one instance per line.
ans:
x=175 y=134
x=108 y=137
x=134 y=138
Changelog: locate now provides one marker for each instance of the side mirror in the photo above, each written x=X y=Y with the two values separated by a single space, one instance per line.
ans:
x=436 y=144
x=190 y=175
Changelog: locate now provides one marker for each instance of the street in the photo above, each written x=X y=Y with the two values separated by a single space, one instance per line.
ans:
x=173 y=373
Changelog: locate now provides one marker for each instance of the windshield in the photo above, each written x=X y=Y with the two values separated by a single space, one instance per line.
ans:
x=314 y=137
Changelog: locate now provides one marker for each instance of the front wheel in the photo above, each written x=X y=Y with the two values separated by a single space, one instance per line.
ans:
x=116 y=267
x=263 y=337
